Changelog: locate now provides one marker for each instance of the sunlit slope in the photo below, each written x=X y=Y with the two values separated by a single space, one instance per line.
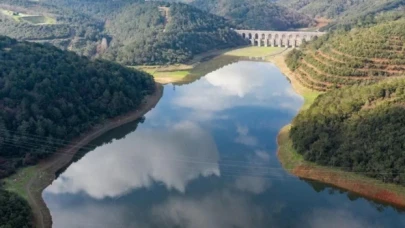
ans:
x=359 y=129
x=341 y=9
x=256 y=14
x=161 y=33
x=359 y=57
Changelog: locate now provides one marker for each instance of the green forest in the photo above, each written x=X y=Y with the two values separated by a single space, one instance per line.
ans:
x=359 y=129
x=342 y=9
x=153 y=33
x=130 y=32
x=49 y=96
x=14 y=211
x=255 y=14
x=357 y=124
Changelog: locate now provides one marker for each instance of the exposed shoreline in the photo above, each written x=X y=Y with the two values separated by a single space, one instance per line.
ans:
x=48 y=167
x=366 y=187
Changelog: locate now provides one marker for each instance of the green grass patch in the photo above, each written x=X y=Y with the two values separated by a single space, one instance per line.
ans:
x=254 y=51
x=16 y=182
x=38 y=19
x=171 y=74
x=288 y=156
x=309 y=98
x=32 y=19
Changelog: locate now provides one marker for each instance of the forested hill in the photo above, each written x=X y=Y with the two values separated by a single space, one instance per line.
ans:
x=49 y=96
x=344 y=11
x=157 y=33
x=360 y=129
x=361 y=56
x=255 y=14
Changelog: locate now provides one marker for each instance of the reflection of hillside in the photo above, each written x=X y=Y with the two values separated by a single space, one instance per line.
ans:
x=332 y=190
x=115 y=134
x=206 y=67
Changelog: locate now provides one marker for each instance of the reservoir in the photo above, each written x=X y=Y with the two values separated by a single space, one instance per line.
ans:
x=205 y=157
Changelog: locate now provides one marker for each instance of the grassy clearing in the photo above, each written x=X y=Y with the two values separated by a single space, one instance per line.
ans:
x=17 y=182
x=203 y=64
x=39 y=20
x=286 y=153
x=167 y=77
x=254 y=51
x=32 y=19
x=166 y=74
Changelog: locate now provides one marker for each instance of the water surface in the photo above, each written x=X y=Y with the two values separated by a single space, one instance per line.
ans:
x=205 y=157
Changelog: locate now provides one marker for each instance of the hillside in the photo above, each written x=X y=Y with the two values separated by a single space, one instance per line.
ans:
x=359 y=129
x=361 y=56
x=152 y=33
x=341 y=9
x=255 y=14
x=49 y=96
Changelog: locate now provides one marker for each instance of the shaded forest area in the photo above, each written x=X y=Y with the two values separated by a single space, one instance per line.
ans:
x=49 y=96
x=14 y=211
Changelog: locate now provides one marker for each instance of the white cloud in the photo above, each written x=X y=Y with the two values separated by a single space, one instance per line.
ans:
x=174 y=157
x=244 y=137
x=252 y=184
x=263 y=155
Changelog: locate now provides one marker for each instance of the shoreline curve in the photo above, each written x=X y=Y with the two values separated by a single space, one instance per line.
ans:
x=366 y=187
x=48 y=167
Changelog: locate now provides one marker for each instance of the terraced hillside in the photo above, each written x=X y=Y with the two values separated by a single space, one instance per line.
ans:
x=359 y=57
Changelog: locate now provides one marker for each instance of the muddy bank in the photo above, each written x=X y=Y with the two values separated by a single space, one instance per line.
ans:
x=48 y=167
x=294 y=163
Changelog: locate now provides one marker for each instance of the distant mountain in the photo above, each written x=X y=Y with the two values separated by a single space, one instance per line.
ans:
x=127 y=31
x=156 y=33
x=255 y=14
x=341 y=9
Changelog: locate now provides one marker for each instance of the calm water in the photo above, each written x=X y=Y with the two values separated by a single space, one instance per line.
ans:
x=205 y=157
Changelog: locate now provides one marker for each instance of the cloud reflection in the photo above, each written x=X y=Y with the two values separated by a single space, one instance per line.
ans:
x=217 y=210
x=174 y=157
x=240 y=84
x=321 y=218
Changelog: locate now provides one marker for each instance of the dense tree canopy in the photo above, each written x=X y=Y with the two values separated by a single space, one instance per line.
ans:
x=48 y=96
x=14 y=211
x=360 y=129
x=255 y=14
x=153 y=33
x=342 y=9
x=127 y=31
